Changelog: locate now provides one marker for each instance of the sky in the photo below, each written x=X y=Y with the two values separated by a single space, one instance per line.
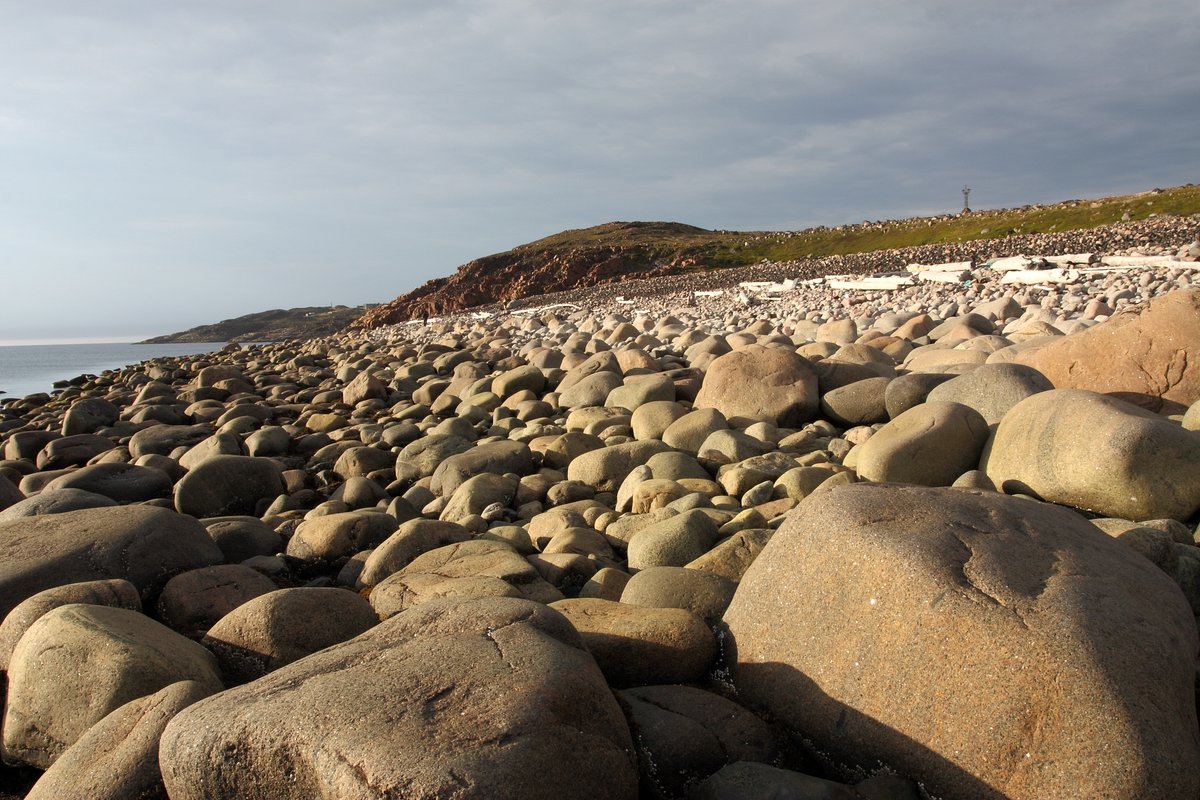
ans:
x=170 y=164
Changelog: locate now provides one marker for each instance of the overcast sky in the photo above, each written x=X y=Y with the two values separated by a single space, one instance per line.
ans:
x=167 y=164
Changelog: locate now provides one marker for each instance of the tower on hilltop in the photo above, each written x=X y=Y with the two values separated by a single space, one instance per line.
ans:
x=966 y=190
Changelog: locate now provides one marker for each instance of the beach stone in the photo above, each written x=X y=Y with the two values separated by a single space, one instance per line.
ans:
x=411 y=539
x=672 y=542
x=567 y=447
x=1039 y=658
x=910 y=390
x=606 y=468
x=427 y=453
x=1141 y=356
x=731 y=557
x=651 y=420
x=88 y=414
x=858 y=403
x=496 y=457
x=364 y=386
x=607 y=584
x=992 y=389
x=163 y=439
x=192 y=601
x=122 y=483
x=141 y=544
x=685 y=734
x=942 y=359
x=452 y=694
x=690 y=431
x=703 y=593
x=478 y=494
x=219 y=444
x=227 y=485
x=523 y=378
x=930 y=444
x=358 y=462
x=284 y=625
x=589 y=391
x=359 y=493
x=467 y=569
x=1095 y=452
x=25 y=445
x=638 y=390
x=267 y=441
x=784 y=386
x=117 y=758
x=72 y=451
x=78 y=663
x=113 y=592
x=241 y=538
x=655 y=493
x=342 y=534
x=640 y=646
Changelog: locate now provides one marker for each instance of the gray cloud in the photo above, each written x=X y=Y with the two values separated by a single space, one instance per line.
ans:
x=221 y=158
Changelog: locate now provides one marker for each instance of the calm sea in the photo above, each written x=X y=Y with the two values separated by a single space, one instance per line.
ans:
x=29 y=368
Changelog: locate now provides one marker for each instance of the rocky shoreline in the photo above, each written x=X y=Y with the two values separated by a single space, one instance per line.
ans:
x=638 y=540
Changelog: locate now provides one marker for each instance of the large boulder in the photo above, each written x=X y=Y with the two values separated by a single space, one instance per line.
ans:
x=225 y=485
x=333 y=536
x=492 y=698
x=123 y=483
x=283 y=626
x=410 y=540
x=605 y=469
x=930 y=444
x=114 y=592
x=636 y=646
x=774 y=383
x=992 y=389
x=1098 y=453
x=55 y=501
x=144 y=545
x=475 y=568
x=496 y=457
x=192 y=601
x=1144 y=356
x=684 y=734
x=78 y=663
x=117 y=758
x=984 y=645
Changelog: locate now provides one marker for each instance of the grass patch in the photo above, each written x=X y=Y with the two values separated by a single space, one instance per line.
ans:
x=685 y=245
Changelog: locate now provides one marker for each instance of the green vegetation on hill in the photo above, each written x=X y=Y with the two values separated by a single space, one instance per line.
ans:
x=685 y=245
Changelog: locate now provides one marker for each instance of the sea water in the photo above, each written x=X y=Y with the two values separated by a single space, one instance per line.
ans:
x=30 y=368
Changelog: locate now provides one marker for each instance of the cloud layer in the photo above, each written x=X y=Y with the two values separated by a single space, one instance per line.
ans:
x=171 y=164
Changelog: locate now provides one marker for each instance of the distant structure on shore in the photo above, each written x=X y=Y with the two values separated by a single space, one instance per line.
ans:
x=966 y=190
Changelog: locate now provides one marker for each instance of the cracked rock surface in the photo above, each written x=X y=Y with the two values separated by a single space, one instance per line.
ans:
x=879 y=617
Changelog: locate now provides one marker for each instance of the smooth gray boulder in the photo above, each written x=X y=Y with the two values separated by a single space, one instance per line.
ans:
x=55 y=501
x=930 y=444
x=117 y=758
x=992 y=389
x=985 y=646
x=225 y=485
x=285 y=625
x=141 y=544
x=1098 y=453
x=493 y=698
x=78 y=663
x=122 y=483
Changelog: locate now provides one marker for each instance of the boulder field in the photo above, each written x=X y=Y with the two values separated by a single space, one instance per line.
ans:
x=934 y=543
